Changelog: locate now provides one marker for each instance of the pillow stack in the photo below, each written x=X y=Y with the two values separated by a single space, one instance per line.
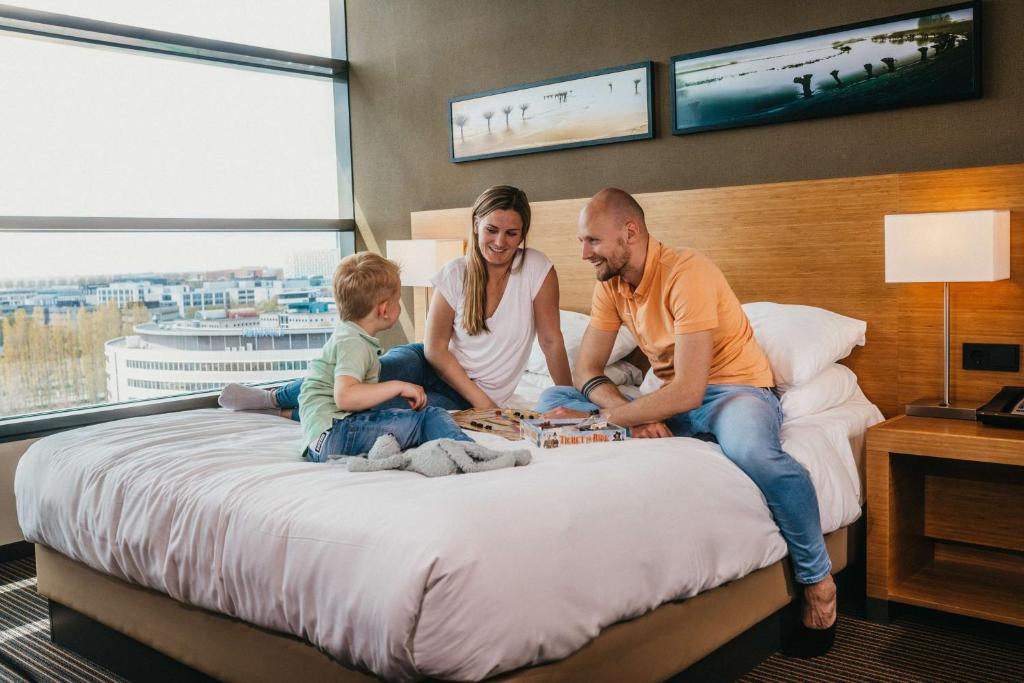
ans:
x=804 y=345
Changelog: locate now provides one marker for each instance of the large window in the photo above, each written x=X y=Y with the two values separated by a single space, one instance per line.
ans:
x=175 y=191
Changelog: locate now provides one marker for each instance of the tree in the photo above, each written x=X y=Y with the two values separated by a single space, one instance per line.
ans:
x=488 y=115
x=271 y=305
x=522 y=108
x=636 y=86
x=506 y=110
x=460 y=121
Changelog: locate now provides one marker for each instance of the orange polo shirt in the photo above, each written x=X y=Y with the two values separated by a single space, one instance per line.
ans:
x=681 y=292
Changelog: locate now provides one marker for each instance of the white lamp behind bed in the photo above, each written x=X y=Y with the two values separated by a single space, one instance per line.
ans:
x=954 y=246
x=420 y=260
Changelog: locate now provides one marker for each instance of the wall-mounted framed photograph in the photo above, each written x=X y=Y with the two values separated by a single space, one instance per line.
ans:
x=593 y=108
x=916 y=58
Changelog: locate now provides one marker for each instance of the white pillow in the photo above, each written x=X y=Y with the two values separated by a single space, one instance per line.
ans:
x=573 y=326
x=801 y=341
x=834 y=386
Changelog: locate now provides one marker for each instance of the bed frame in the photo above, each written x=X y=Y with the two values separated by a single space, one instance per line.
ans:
x=145 y=635
x=818 y=243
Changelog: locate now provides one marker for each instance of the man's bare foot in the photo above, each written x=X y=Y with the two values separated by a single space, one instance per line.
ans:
x=819 y=608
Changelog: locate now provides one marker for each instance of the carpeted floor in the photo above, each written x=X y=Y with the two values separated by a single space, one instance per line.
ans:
x=917 y=646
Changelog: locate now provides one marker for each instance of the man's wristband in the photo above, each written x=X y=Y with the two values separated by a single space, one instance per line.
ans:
x=592 y=383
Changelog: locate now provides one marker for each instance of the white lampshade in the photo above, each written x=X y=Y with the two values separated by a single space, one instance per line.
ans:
x=420 y=260
x=953 y=246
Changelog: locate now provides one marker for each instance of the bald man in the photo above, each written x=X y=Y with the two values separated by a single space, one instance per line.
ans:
x=715 y=380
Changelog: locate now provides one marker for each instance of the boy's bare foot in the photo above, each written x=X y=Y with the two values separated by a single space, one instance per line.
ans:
x=819 y=607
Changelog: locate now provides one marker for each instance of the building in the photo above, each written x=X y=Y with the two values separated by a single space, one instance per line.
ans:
x=201 y=355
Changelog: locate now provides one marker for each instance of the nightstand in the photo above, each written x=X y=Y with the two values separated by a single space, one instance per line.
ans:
x=946 y=518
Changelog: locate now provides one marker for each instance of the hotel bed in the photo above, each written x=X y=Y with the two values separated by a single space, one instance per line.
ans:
x=461 y=577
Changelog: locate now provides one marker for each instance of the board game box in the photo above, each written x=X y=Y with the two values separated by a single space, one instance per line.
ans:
x=570 y=432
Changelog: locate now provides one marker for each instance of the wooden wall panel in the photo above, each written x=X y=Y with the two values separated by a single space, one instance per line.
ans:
x=821 y=243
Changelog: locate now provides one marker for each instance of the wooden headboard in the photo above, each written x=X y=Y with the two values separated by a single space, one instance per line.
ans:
x=820 y=243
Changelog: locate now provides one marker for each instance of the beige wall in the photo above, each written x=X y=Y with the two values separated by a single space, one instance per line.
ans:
x=407 y=57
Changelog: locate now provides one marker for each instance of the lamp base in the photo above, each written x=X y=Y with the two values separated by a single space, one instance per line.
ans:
x=932 y=407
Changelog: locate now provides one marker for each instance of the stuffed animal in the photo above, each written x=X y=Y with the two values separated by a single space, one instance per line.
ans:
x=437 y=458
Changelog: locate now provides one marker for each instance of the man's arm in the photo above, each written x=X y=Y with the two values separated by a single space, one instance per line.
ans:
x=692 y=363
x=595 y=350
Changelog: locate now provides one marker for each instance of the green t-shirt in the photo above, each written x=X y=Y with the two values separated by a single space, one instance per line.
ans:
x=350 y=351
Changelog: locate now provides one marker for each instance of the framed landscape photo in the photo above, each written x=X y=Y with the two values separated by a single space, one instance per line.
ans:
x=916 y=58
x=593 y=108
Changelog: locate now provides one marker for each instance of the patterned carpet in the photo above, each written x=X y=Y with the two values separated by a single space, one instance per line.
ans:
x=26 y=653
x=917 y=646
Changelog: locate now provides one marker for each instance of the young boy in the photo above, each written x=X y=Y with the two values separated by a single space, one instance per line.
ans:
x=342 y=407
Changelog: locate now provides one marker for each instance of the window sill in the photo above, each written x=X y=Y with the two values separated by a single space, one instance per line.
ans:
x=42 y=424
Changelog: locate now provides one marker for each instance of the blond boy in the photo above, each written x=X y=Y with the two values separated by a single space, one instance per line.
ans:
x=342 y=406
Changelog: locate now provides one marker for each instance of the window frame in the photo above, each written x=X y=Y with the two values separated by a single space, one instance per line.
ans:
x=182 y=46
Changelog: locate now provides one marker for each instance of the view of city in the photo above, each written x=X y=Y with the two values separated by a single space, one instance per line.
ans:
x=85 y=339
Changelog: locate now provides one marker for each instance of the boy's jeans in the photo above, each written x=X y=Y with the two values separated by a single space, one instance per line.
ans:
x=356 y=433
x=407 y=363
x=746 y=421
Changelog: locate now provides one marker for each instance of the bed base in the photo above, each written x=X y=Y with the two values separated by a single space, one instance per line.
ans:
x=144 y=635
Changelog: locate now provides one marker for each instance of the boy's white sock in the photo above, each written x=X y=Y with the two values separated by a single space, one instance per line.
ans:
x=241 y=397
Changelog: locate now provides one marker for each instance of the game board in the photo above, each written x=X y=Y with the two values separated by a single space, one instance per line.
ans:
x=503 y=422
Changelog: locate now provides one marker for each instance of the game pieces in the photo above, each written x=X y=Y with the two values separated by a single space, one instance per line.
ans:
x=503 y=422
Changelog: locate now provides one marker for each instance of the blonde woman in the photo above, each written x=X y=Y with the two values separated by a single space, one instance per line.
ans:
x=486 y=310
x=488 y=305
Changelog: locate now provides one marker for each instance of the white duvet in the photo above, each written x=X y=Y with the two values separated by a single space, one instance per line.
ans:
x=458 y=577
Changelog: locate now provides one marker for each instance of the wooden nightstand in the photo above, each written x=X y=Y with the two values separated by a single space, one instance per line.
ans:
x=946 y=518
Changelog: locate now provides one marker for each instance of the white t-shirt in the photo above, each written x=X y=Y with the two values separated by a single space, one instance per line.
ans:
x=495 y=360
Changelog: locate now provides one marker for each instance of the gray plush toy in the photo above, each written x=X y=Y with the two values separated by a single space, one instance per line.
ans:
x=436 y=458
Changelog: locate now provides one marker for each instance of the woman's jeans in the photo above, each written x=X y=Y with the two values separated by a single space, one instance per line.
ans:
x=407 y=363
x=356 y=434
x=745 y=422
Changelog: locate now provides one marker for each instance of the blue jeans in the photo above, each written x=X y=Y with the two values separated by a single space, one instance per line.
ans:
x=355 y=434
x=407 y=363
x=745 y=421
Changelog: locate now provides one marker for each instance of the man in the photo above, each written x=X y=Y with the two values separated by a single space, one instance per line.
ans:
x=716 y=380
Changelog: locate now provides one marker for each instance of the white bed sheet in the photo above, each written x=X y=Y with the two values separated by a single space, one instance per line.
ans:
x=456 y=577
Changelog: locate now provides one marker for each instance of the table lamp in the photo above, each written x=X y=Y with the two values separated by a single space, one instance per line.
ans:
x=420 y=260
x=953 y=246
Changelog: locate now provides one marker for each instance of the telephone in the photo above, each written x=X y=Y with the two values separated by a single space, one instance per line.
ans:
x=1006 y=409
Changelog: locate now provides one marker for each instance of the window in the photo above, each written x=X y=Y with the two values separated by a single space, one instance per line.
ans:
x=167 y=167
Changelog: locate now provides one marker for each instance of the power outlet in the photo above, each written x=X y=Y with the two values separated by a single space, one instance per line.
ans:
x=995 y=357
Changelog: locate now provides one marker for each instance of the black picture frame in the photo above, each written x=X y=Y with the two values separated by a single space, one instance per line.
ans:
x=619 y=118
x=717 y=100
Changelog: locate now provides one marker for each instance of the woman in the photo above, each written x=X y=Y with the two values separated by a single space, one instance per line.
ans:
x=486 y=308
